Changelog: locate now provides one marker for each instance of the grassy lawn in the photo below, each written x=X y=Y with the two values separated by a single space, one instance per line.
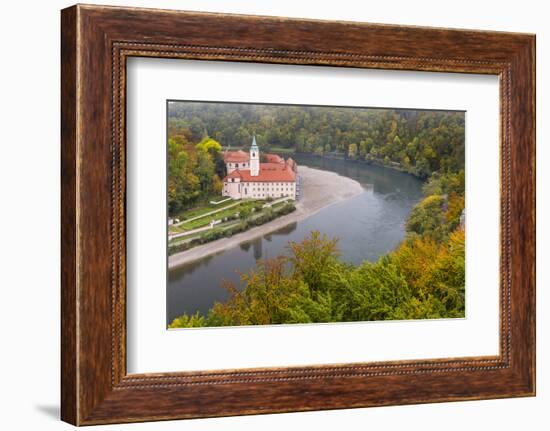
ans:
x=281 y=150
x=204 y=221
x=198 y=211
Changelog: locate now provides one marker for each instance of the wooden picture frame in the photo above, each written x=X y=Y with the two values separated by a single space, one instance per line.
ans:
x=95 y=43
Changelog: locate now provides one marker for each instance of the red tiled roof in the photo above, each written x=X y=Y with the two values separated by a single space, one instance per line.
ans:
x=292 y=164
x=269 y=172
x=274 y=158
x=236 y=156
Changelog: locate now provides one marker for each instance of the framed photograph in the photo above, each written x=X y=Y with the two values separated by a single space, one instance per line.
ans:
x=283 y=215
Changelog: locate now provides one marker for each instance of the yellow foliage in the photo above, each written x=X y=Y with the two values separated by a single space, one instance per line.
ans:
x=455 y=206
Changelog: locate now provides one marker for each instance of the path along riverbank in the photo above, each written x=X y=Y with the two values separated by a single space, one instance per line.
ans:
x=320 y=189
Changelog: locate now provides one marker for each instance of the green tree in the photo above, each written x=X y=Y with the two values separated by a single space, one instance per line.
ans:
x=352 y=151
x=245 y=213
x=426 y=218
x=313 y=258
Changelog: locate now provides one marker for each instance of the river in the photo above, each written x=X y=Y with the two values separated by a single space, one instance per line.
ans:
x=367 y=226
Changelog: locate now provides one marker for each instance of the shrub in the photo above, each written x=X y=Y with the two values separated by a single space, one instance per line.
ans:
x=186 y=321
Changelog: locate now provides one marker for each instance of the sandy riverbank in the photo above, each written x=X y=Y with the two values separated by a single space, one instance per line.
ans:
x=320 y=189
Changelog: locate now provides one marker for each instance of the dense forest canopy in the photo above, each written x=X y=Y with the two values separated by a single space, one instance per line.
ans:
x=419 y=142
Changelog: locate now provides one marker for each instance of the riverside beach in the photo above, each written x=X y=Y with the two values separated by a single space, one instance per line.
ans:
x=320 y=189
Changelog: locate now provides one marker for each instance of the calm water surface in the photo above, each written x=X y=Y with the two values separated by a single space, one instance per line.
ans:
x=369 y=225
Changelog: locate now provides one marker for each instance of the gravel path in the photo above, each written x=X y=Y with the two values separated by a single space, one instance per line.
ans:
x=319 y=190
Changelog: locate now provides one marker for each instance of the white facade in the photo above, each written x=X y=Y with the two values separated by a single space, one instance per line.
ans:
x=237 y=189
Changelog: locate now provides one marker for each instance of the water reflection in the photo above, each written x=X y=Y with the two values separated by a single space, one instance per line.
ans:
x=256 y=244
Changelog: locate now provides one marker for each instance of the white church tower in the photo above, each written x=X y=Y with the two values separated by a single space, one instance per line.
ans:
x=254 y=159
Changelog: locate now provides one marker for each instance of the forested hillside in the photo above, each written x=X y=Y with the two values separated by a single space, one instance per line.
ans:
x=419 y=142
